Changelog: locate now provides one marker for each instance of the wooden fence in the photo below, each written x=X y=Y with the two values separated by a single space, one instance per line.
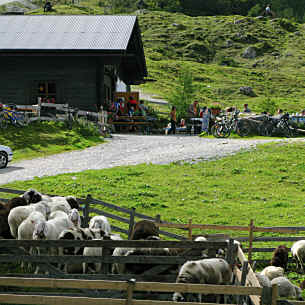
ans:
x=158 y=264
x=91 y=206
x=17 y=297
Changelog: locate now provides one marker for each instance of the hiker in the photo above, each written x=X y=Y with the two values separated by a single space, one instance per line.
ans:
x=268 y=11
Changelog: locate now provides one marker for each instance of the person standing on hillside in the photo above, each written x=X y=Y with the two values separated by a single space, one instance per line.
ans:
x=268 y=11
x=173 y=117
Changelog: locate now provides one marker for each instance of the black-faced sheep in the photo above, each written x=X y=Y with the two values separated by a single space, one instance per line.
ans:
x=77 y=234
x=206 y=271
x=280 y=257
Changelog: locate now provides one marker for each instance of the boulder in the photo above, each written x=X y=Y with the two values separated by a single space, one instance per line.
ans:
x=250 y=53
x=247 y=91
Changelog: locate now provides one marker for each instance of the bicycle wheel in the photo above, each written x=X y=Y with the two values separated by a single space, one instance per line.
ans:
x=3 y=122
x=214 y=131
x=223 y=131
x=243 y=129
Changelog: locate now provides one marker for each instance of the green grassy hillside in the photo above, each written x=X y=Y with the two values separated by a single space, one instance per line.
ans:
x=212 y=48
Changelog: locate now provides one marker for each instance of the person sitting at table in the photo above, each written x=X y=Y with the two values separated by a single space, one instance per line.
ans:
x=132 y=102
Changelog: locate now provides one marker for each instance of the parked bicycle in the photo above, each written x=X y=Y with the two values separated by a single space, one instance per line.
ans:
x=277 y=126
x=11 y=117
x=226 y=125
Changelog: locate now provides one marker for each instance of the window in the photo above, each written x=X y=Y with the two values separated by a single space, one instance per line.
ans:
x=46 y=90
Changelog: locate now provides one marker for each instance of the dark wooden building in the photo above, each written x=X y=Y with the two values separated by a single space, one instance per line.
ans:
x=68 y=59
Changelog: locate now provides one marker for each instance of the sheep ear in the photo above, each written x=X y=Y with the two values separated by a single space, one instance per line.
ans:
x=32 y=221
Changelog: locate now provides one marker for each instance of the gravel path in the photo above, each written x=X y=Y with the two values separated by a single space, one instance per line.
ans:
x=127 y=150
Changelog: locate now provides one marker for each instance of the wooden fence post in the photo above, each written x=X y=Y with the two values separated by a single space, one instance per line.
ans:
x=131 y=283
x=158 y=220
x=190 y=229
x=244 y=273
x=274 y=294
x=131 y=221
x=230 y=252
x=251 y=226
x=87 y=210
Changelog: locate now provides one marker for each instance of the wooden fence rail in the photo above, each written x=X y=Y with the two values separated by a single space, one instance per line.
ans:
x=129 y=287
x=89 y=208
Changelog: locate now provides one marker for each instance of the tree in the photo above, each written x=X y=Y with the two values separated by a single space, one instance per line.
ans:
x=183 y=94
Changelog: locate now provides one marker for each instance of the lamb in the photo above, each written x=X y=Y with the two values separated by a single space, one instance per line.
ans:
x=92 y=251
x=26 y=228
x=272 y=272
x=280 y=257
x=20 y=213
x=100 y=222
x=75 y=218
x=205 y=271
x=287 y=289
x=57 y=214
x=298 y=253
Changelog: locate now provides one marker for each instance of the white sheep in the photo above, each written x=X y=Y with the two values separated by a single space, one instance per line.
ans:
x=92 y=251
x=57 y=214
x=18 y=214
x=298 y=253
x=75 y=218
x=287 y=289
x=272 y=272
x=263 y=280
x=205 y=271
x=26 y=229
x=33 y=196
x=100 y=222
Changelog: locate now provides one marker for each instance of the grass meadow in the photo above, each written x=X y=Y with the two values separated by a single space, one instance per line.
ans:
x=48 y=138
x=265 y=184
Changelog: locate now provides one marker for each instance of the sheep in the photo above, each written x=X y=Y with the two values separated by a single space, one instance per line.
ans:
x=75 y=218
x=100 y=222
x=144 y=229
x=33 y=196
x=92 y=251
x=287 y=289
x=280 y=257
x=272 y=272
x=57 y=214
x=5 y=208
x=263 y=280
x=20 y=213
x=26 y=229
x=205 y=271
x=298 y=253
x=77 y=234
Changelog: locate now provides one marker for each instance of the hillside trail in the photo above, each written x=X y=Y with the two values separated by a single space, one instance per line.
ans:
x=151 y=97
x=126 y=150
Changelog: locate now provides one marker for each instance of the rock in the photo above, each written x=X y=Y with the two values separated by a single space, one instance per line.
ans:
x=228 y=43
x=247 y=91
x=288 y=54
x=275 y=53
x=250 y=52
x=179 y=26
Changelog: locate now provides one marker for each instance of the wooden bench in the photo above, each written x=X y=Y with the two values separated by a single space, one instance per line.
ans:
x=145 y=125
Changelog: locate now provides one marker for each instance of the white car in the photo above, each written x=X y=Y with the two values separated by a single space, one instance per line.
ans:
x=6 y=155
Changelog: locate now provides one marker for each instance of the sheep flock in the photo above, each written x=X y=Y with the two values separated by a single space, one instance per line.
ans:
x=34 y=216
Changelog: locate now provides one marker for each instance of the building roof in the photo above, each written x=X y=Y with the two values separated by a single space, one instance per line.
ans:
x=79 y=34
x=65 y=32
